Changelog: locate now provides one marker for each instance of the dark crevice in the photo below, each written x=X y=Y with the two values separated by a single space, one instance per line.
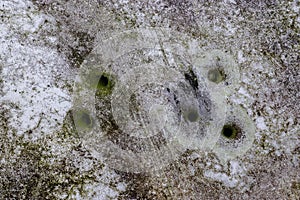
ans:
x=192 y=79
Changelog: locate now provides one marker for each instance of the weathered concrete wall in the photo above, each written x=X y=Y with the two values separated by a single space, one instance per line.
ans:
x=44 y=44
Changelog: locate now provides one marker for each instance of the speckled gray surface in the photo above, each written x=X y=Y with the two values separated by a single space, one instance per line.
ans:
x=44 y=45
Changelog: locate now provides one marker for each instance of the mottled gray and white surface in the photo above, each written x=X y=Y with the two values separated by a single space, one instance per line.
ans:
x=42 y=46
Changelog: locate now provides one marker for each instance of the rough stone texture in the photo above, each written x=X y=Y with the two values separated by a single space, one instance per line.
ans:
x=43 y=44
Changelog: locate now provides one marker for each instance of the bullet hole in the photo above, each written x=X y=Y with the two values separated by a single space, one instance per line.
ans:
x=231 y=131
x=103 y=81
x=105 y=84
x=85 y=118
x=216 y=75
x=237 y=134
x=192 y=116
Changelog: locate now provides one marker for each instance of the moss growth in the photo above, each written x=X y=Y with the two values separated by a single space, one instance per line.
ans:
x=77 y=53
x=36 y=173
